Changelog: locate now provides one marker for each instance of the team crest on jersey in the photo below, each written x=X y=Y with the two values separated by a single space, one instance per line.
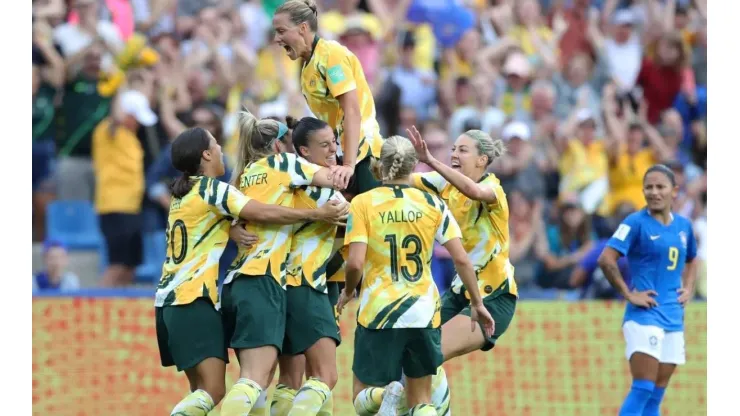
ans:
x=684 y=239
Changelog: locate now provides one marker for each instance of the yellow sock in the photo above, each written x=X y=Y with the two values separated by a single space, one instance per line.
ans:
x=282 y=400
x=241 y=398
x=441 y=392
x=368 y=401
x=310 y=398
x=423 y=410
x=260 y=408
x=328 y=408
x=197 y=403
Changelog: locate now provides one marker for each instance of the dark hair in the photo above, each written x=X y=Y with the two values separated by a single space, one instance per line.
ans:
x=303 y=129
x=187 y=151
x=665 y=170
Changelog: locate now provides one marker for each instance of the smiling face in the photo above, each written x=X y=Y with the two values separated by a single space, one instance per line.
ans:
x=466 y=159
x=291 y=37
x=322 y=148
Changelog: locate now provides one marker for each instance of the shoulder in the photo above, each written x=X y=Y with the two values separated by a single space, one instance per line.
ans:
x=683 y=222
x=636 y=218
x=332 y=47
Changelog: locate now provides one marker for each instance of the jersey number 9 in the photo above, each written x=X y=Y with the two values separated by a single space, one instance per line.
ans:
x=177 y=258
x=412 y=257
x=673 y=258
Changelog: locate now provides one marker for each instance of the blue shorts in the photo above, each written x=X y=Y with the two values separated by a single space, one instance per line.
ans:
x=42 y=162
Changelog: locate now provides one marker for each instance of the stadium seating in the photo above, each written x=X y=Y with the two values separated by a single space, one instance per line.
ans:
x=155 y=247
x=74 y=223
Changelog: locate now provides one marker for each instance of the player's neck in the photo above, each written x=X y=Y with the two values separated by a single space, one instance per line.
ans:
x=401 y=181
x=663 y=217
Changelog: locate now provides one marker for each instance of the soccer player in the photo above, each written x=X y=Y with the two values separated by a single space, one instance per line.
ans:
x=253 y=296
x=660 y=248
x=311 y=328
x=479 y=205
x=335 y=88
x=189 y=328
x=390 y=233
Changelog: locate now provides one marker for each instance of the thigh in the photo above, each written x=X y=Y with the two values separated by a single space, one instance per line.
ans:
x=378 y=354
x=423 y=352
x=665 y=372
x=208 y=375
x=194 y=332
x=645 y=339
x=418 y=391
x=458 y=339
x=674 y=349
x=254 y=309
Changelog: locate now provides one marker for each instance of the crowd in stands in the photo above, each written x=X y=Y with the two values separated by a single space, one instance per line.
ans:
x=587 y=94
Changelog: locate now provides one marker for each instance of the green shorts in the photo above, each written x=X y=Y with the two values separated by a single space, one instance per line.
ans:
x=383 y=355
x=500 y=307
x=335 y=289
x=188 y=334
x=309 y=317
x=253 y=310
x=363 y=179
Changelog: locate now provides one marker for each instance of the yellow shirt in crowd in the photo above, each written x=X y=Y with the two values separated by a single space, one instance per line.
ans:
x=118 y=162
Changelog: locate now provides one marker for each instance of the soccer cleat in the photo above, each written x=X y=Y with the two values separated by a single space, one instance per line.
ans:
x=391 y=397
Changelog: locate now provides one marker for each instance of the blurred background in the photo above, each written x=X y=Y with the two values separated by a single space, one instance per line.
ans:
x=587 y=94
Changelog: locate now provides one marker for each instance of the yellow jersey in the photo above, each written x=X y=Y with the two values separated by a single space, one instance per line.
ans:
x=197 y=233
x=118 y=162
x=625 y=178
x=332 y=71
x=399 y=224
x=582 y=164
x=270 y=180
x=312 y=245
x=485 y=230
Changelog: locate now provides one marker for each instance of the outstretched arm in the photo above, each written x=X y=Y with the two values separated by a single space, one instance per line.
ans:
x=467 y=186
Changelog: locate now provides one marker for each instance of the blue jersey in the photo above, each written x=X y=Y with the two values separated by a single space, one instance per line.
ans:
x=656 y=254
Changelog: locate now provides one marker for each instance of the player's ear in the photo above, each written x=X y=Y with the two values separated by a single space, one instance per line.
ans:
x=207 y=155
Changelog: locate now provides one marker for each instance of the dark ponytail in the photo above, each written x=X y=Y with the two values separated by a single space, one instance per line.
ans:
x=187 y=152
x=303 y=129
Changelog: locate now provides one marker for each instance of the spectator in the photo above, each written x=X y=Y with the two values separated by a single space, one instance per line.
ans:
x=588 y=276
x=525 y=222
x=87 y=29
x=83 y=107
x=118 y=160
x=55 y=275
x=481 y=112
x=47 y=74
x=661 y=78
x=518 y=169
x=416 y=85
x=583 y=162
x=563 y=245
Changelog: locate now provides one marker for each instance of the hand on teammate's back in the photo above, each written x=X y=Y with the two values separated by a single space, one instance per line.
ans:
x=479 y=314
x=334 y=212
x=242 y=237
x=644 y=299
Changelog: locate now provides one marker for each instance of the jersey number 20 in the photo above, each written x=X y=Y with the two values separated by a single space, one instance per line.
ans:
x=413 y=257
x=177 y=258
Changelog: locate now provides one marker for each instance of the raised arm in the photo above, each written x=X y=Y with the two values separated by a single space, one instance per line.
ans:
x=467 y=186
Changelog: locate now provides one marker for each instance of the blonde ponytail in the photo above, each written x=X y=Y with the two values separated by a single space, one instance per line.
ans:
x=256 y=139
